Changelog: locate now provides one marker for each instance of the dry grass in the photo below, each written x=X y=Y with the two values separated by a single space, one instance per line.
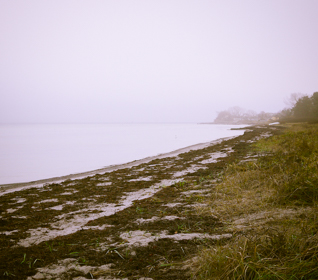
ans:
x=270 y=206
x=243 y=190
x=293 y=165
x=269 y=254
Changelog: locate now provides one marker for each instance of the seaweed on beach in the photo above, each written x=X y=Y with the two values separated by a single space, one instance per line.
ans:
x=127 y=223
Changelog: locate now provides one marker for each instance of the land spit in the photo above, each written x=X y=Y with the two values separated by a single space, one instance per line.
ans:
x=136 y=221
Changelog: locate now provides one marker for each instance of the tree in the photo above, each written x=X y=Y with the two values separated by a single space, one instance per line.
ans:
x=314 y=99
x=303 y=108
x=293 y=98
x=224 y=117
x=238 y=115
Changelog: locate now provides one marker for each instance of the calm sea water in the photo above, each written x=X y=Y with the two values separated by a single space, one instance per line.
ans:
x=34 y=152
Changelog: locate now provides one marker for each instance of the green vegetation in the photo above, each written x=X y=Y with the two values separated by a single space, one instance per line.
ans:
x=304 y=109
x=269 y=204
x=29 y=262
x=267 y=255
x=293 y=165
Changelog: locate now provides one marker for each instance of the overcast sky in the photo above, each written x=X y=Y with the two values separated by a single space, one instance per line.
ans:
x=153 y=60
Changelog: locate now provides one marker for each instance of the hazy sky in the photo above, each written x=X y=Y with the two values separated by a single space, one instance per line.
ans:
x=153 y=60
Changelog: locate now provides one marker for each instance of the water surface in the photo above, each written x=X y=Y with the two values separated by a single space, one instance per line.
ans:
x=41 y=151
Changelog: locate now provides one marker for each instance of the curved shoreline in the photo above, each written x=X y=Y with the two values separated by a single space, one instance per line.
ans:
x=157 y=211
x=7 y=188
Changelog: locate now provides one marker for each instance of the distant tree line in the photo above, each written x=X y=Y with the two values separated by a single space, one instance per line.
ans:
x=237 y=115
x=304 y=108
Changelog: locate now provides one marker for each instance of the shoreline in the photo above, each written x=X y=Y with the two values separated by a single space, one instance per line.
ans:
x=147 y=211
x=8 y=188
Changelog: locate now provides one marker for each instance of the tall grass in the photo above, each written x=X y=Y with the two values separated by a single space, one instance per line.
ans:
x=292 y=167
x=285 y=175
x=270 y=255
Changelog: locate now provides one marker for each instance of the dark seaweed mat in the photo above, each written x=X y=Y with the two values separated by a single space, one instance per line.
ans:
x=159 y=260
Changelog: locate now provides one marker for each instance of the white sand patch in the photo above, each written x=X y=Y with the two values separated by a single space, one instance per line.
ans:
x=195 y=205
x=171 y=205
x=97 y=227
x=70 y=202
x=142 y=220
x=256 y=138
x=141 y=179
x=189 y=236
x=19 y=217
x=103 y=178
x=9 y=232
x=11 y=210
x=139 y=238
x=19 y=199
x=187 y=193
x=63 y=269
x=140 y=169
x=44 y=190
x=142 y=238
x=266 y=134
x=257 y=219
x=250 y=158
x=60 y=207
x=49 y=200
x=214 y=157
x=74 y=221
x=67 y=224
x=191 y=169
x=103 y=184
x=153 y=219
x=153 y=165
x=229 y=150
x=171 y=218
x=69 y=193
x=88 y=198
x=99 y=195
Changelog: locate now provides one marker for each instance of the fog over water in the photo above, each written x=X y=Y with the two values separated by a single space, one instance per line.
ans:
x=152 y=61
x=139 y=61
x=34 y=152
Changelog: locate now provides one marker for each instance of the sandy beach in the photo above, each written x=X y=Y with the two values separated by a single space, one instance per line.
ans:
x=130 y=221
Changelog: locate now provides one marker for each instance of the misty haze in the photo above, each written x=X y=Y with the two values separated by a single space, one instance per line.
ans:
x=158 y=61
x=158 y=139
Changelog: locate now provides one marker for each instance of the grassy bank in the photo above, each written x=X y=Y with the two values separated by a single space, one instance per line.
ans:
x=269 y=203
